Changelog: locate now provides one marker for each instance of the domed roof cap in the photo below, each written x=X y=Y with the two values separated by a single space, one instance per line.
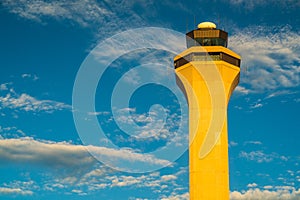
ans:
x=207 y=25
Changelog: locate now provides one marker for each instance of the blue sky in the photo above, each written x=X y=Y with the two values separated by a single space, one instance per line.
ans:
x=43 y=46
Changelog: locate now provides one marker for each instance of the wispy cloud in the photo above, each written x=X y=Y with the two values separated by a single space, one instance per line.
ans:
x=132 y=77
x=16 y=188
x=150 y=124
x=261 y=157
x=11 y=132
x=33 y=77
x=233 y=144
x=27 y=103
x=82 y=12
x=280 y=93
x=253 y=142
x=103 y=178
x=100 y=16
x=251 y=4
x=4 y=86
x=257 y=104
x=271 y=55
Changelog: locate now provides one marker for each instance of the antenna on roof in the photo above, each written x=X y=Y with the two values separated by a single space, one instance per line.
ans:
x=219 y=23
x=187 y=25
x=194 y=21
x=246 y=69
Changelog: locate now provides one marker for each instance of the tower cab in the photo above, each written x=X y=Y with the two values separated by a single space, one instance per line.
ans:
x=207 y=35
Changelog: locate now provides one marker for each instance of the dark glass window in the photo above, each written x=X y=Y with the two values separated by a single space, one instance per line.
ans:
x=206 y=42
x=211 y=56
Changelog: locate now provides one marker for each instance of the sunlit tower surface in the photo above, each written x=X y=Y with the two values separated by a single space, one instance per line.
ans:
x=208 y=72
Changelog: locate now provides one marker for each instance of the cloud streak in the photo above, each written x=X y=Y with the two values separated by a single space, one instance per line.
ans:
x=100 y=16
x=82 y=12
x=62 y=154
x=28 y=150
x=260 y=156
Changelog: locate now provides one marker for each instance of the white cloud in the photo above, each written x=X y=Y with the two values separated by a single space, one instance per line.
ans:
x=168 y=177
x=291 y=172
x=268 y=187
x=125 y=181
x=101 y=16
x=280 y=193
x=11 y=132
x=18 y=187
x=233 y=144
x=242 y=90
x=253 y=142
x=260 y=156
x=99 y=179
x=132 y=77
x=252 y=185
x=251 y=4
x=49 y=153
x=27 y=103
x=28 y=150
x=30 y=76
x=271 y=55
x=14 y=191
x=3 y=86
x=280 y=93
x=257 y=105
x=152 y=124
x=93 y=178
x=83 y=12
x=125 y=156
x=104 y=178
x=99 y=113
x=79 y=192
x=174 y=196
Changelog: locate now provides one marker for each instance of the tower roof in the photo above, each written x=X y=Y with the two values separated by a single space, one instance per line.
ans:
x=209 y=25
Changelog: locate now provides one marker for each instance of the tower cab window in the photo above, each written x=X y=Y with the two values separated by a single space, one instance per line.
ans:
x=212 y=42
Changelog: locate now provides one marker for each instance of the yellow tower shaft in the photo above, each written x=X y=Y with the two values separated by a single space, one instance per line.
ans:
x=209 y=175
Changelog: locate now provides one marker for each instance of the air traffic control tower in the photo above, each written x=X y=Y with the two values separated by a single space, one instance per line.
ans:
x=207 y=73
